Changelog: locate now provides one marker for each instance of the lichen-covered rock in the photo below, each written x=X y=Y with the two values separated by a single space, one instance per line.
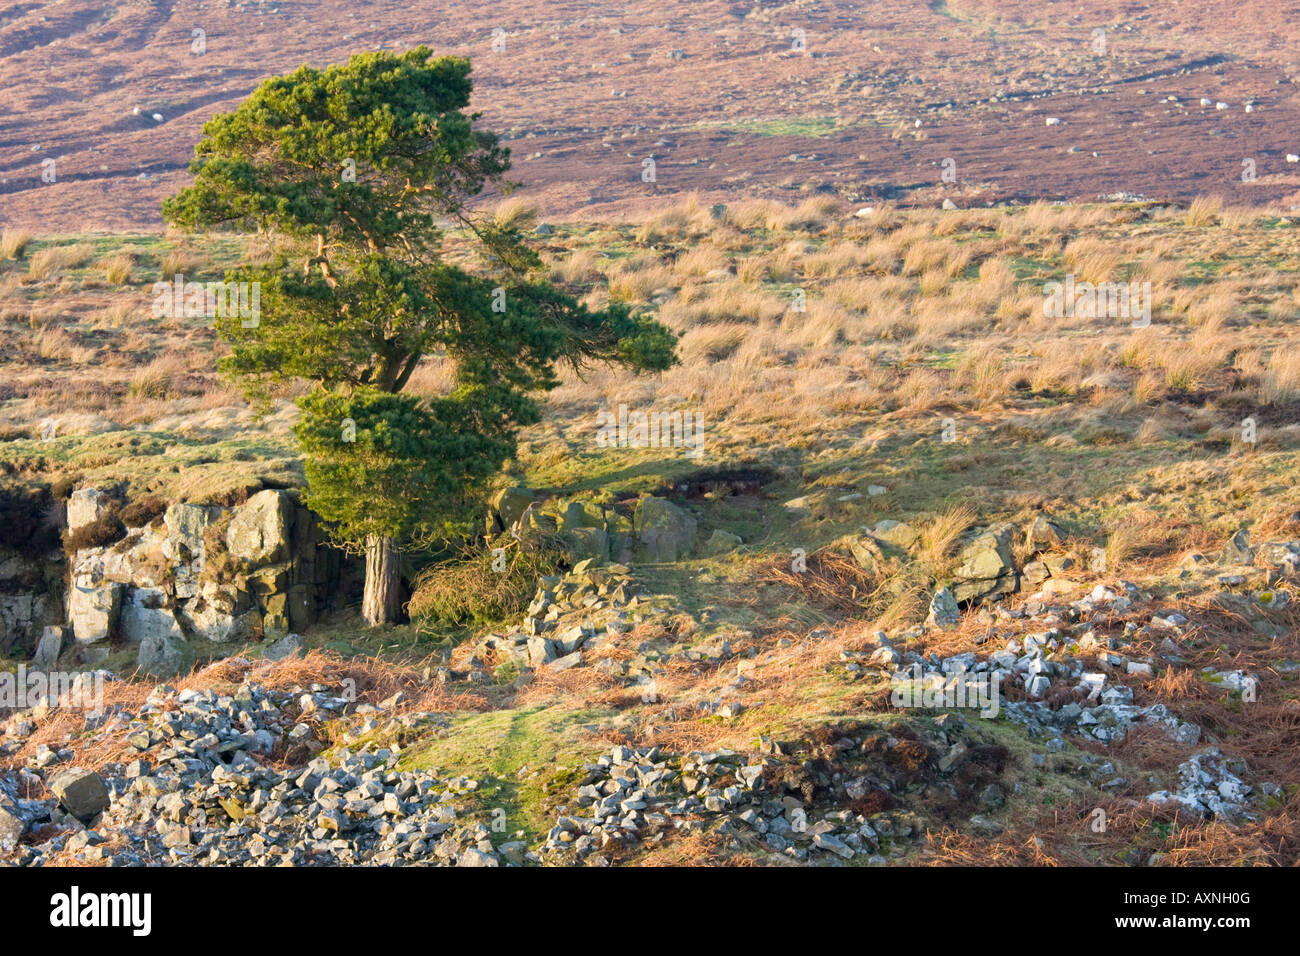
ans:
x=50 y=648
x=1058 y=562
x=943 y=609
x=12 y=825
x=577 y=514
x=1238 y=549
x=540 y=651
x=987 y=567
x=587 y=543
x=664 y=531
x=31 y=596
x=1035 y=573
x=260 y=530
x=221 y=614
x=185 y=525
x=1042 y=534
x=1283 y=556
x=897 y=534
x=287 y=646
x=302 y=606
x=94 y=610
x=16 y=615
x=141 y=558
x=269 y=580
x=267 y=574
x=275 y=615
x=145 y=615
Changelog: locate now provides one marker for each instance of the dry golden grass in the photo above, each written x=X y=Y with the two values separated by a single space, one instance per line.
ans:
x=1279 y=382
x=515 y=212
x=939 y=537
x=1187 y=371
x=700 y=261
x=581 y=268
x=13 y=242
x=50 y=261
x=834 y=260
x=776 y=217
x=1210 y=305
x=726 y=301
x=155 y=380
x=1204 y=211
x=636 y=280
x=181 y=262
x=924 y=255
x=431 y=378
x=1093 y=260
x=53 y=342
x=117 y=268
x=807 y=312
x=712 y=343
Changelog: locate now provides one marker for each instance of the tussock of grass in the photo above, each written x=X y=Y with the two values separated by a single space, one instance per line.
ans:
x=13 y=242
x=117 y=268
x=51 y=260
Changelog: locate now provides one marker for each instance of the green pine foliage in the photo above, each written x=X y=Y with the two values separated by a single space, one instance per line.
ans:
x=355 y=171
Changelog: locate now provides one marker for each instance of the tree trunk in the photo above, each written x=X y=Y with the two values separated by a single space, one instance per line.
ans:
x=382 y=600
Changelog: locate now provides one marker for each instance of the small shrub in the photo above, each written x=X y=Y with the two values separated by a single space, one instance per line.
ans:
x=61 y=488
x=105 y=530
x=142 y=511
x=515 y=213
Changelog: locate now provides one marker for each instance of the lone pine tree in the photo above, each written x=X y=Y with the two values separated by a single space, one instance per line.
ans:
x=355 y=174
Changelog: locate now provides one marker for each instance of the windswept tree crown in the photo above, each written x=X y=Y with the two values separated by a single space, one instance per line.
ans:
x=355 y=171
x=285 y=158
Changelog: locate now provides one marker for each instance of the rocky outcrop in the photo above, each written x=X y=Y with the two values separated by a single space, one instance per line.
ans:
x=943 y=610
x=506 y=507
x=199 y=575
x=13 y=824
x=145 y=616
x=652 y=529
x=50 y=647
x=721 y=542
x=1042 y=534
x=896 y=534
